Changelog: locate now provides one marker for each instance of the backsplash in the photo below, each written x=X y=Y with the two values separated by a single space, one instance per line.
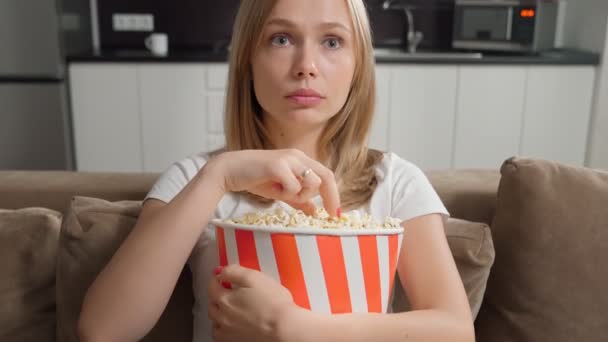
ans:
x=434 y=18
x=76 y=26
x=196 y=24
x=190 y=24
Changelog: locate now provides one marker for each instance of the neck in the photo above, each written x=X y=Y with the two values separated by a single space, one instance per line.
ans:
x=303 y=139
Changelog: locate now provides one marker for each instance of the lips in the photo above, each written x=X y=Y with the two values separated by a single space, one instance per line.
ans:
x=305 y=97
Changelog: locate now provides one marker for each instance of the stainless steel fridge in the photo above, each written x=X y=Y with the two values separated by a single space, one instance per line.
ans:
x=35 y=128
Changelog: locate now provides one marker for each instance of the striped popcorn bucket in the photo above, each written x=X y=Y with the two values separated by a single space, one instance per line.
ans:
x=326 y=270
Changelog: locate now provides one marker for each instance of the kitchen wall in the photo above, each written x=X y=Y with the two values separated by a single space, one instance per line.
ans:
x=434 y=18
x=198 y=23
x=597 y=152
x=585 y=24
x=201 y=23
x=76 y=26
x=586 y=27
x=189 y=23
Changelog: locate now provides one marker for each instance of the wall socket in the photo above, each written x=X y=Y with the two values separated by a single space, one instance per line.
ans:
x=133 y=22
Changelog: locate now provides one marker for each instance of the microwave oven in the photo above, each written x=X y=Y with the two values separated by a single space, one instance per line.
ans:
x=505 y=25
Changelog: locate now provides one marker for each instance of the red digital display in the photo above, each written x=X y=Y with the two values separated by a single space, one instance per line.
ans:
x=527 y=13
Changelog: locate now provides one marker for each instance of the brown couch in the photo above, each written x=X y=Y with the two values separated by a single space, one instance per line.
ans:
x=46 y=272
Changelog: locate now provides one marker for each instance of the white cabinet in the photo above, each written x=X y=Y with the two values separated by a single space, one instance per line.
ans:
x=106 y=117
x=217 y=76
x=489 y=115
x=173 y=105
x=182 y=111
x=557 y=113
x=379 y=138
x=142 y=117
x=422 y=113
x=217 y=79
x=533 y=111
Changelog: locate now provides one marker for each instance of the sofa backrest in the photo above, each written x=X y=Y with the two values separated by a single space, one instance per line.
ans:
x=55 y=189
x=467 y=194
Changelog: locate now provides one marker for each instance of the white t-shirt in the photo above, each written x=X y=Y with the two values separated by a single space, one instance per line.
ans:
x=403 y=192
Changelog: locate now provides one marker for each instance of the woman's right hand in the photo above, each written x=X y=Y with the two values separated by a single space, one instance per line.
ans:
x=280 y=175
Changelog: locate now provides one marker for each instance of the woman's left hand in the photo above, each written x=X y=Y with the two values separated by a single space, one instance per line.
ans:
x=246 y=305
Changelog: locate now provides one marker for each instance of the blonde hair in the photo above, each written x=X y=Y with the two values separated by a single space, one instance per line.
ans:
x=344 y=139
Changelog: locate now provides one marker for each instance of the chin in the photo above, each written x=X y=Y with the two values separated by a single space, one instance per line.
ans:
x=306 y=116
x=304 y=120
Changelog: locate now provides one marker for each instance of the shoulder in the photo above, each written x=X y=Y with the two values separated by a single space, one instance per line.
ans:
x=393 y=168
x=189 y=166
x=410 y=192
x=177 y=176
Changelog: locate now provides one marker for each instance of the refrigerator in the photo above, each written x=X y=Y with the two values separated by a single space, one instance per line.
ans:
x=35 y=126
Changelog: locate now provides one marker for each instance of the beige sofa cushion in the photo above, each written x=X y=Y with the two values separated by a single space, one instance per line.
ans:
x=91 y=232
x=467 y=194
x=473 y=250
x=549 y=280
x=28 y=248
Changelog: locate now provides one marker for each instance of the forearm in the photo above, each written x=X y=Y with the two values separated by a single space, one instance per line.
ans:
x=130 y=294
x=418 y=326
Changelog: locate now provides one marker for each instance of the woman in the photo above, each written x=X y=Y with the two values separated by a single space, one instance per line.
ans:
x=299 y=107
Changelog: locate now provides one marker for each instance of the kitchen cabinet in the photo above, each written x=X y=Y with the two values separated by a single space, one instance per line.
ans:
x=532 y=111
x=422 y=114
x=557 y=113
x=379 y=137
x=106 y=117
x=173 y=106
x=217 y=79
x=489 y=115
x=143 y=116
x=169 y=111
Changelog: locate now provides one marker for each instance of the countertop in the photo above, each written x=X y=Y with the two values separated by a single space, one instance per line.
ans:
x=553 y=57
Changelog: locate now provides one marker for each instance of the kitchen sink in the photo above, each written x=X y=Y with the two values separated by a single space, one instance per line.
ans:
x=395 y=53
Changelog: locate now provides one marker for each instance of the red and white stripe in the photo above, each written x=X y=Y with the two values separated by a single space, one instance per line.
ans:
x=329 y=274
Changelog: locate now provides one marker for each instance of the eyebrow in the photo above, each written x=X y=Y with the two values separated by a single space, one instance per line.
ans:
x=291 y=24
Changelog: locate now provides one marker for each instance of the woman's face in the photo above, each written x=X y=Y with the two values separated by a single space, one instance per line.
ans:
x=303 y=68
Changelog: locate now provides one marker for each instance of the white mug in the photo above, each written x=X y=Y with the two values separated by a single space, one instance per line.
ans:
x=158 y=43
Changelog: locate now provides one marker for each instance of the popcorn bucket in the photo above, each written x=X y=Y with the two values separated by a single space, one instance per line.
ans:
x=326 y=270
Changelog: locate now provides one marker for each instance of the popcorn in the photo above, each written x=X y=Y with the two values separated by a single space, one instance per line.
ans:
x=320 y=219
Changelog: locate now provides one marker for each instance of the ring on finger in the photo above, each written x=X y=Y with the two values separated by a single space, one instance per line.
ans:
x=306 y=173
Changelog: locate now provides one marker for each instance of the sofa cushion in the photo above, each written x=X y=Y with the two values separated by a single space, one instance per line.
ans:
x=91 y=232
x=467 y=194
x=473 y=250
x=28 y=250
x=550 y=232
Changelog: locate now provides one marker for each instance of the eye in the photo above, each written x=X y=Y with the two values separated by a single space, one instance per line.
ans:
x=333 y=43
x=280 y=40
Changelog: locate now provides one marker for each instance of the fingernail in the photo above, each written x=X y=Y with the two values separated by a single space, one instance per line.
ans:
x=311 y=207
x=218 y=270
x=226 y=285
x=339 y=212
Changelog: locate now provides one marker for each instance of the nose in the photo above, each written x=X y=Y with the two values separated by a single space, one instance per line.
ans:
x=305 y=65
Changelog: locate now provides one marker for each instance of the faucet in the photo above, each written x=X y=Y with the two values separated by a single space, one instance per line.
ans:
x=413 y=37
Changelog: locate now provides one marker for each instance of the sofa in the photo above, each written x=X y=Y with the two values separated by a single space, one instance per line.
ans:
x=530 y=240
